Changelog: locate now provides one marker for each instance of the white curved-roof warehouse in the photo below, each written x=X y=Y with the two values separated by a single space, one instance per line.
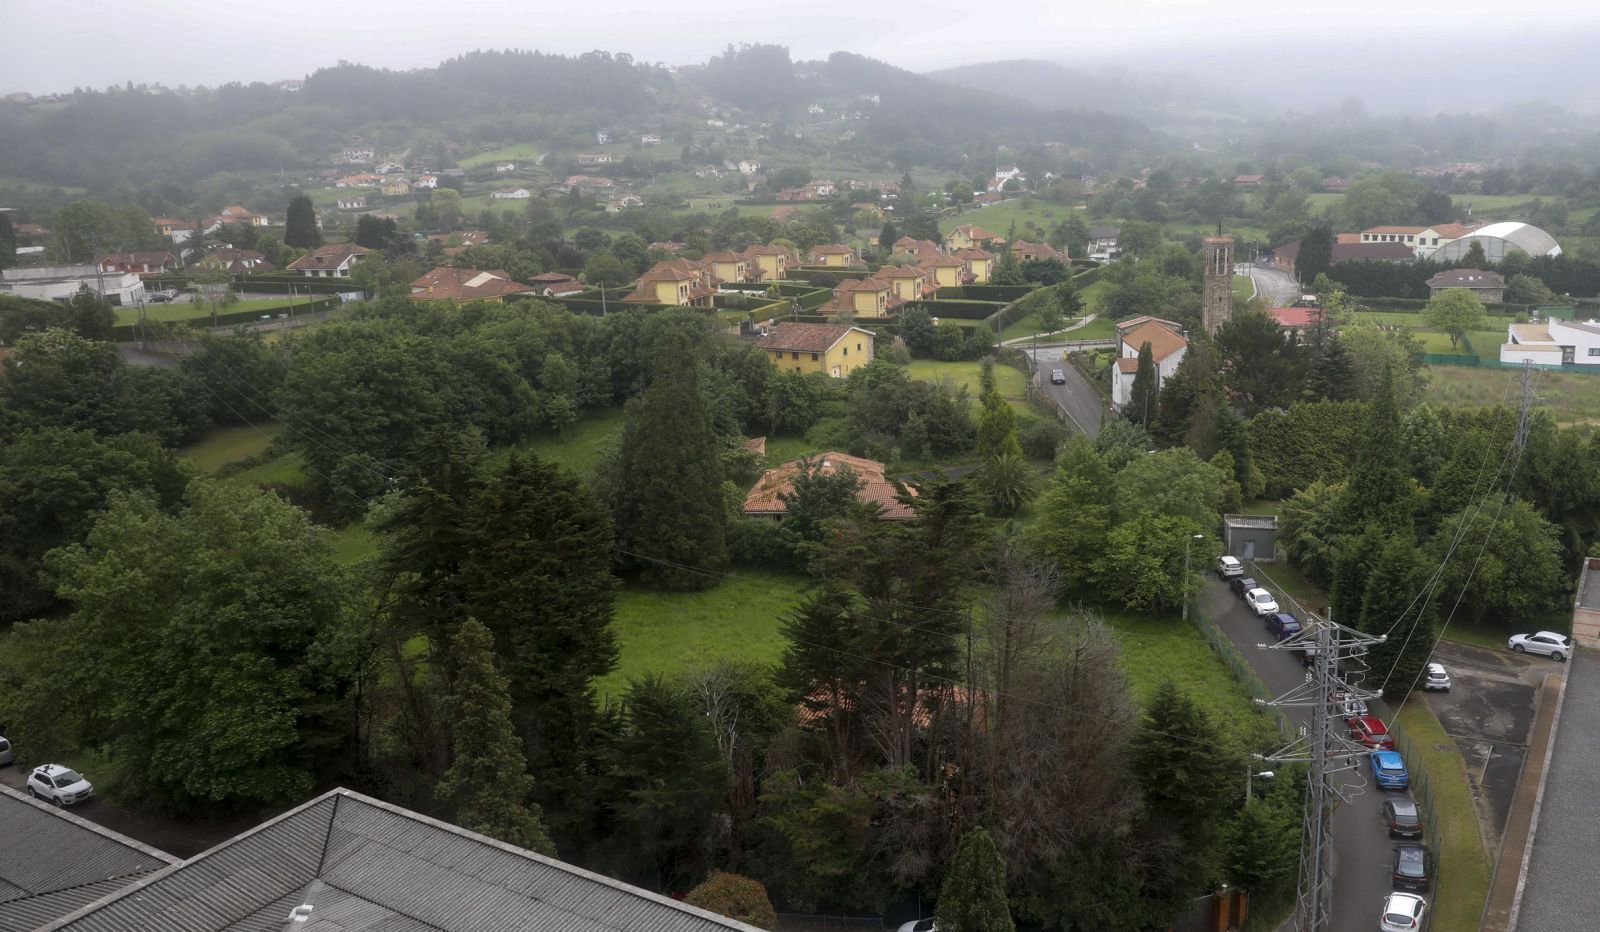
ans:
x=1499 y=239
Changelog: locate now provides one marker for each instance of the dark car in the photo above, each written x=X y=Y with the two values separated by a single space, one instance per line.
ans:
x=1241 y=585
x=1413 y=867
x=1283 y=624
x=1401 y=817
x=1307 y=655
x=1058 y=377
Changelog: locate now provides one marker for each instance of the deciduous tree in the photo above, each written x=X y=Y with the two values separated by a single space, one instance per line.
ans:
x=1456 y=311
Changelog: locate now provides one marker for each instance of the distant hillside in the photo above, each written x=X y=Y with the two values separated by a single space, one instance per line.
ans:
x=1159 y=99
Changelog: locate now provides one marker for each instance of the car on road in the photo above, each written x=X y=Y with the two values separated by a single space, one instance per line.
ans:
x=1437 y=678
x=1307 y=655
x=1402 y=912
x=1241 y=585
x=919 y=925
x=1370 y=731
x=1389 y=770
x=1261 y=602
x=1552 y=645
x=7 y=755
x=163 y=296
x=1058 y=377
x=1283 y=624
x=1229 y=567
x=60 y=785
x=1413 y=867
x=1401 y=817
x=1346 y=704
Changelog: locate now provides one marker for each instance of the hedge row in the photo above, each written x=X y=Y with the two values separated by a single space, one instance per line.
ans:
x=1085 y=279
x=959 y=310
x=127 y=332
x=1006 y=293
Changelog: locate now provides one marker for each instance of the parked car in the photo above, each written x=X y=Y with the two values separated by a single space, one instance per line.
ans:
x=163 y=296
x=1549 y=643
x=1283 y=624
x=1307 y=655
x=60 y=785
x=1058 y=377
x=1402 y=818
x=1437 y=678
x=7 y=755
x=1389 y=770
x=1229 y=567
x=1413 y=867
x=1261 y=602
x=1241 y=585
x=1370 y=731
x=1402 y=912
x=919 y=925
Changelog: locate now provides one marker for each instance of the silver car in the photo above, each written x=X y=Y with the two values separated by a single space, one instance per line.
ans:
x=1438 y=678
x=7 y=755
x=1552 y=645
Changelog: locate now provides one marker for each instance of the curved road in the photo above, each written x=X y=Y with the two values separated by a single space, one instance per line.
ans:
x=1275 y=286
x=1078 y=398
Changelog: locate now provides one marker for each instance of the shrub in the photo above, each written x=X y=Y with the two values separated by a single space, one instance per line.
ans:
x=1040 y=437
x=736 y=897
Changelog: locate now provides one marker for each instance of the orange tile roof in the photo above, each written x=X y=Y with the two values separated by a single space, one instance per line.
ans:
x=764 y=498
x=1129 y=364
x=1163 y=342
x=804 y=338
x=452 y=284
x=1407 y=231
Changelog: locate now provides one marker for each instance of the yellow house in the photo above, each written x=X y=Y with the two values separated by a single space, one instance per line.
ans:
x=833 y=255
x=980 y=262
x=729 y=266
x=966 y=236
x=947 y=271
x=768 y=263
x=906 y=282
x=837 y=349
x=677 y=282
x=864 y=297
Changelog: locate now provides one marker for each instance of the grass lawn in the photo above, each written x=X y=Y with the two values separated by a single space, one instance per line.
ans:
x=1033 y=218
x=1024 y=328
x=1391 y=319
x=670 y=633
x=1012 y=383
x=223 y=445
x=1464 y=868
x=1434 y=342
x=281 y=470
x=1244 y=288
x=579 y=448
x=187 y=311
x=353 y=542
x=1101 y=328
x=1161 y=650
x=1570 y=397
x=519 y=153
x=787 y=449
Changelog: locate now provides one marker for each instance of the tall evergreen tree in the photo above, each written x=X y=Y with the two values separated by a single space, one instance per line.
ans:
x=886 y=238
x=1330 y=374
x=671 y=515
x=487 y=787
x=1191 y=394
x=1380 y=485
x=8 y=242
x=997 y=428
x=1316 y=253
x=300 y=225
x=973 y=898
x=1144 y=405
x=1390 y=605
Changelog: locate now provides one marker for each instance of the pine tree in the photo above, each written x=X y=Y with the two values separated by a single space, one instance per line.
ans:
x=1316 y=253
x=671 y=514
x=1193 y=391
x=8 y=243
x=997 y=428
x=300 y=226
x=973 y=898
x=1380 y=486
x=1390 y=605
x=887 y=237
x=1144 y=406
x=487 y=786
x=1330 y=375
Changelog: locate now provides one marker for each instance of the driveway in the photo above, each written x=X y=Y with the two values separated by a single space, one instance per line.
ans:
x=1078 y=397
x=1361 y=847
x=1489 y=712
x=1275 y=286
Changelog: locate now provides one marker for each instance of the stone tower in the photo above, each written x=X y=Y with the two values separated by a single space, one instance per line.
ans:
x=1217 y=295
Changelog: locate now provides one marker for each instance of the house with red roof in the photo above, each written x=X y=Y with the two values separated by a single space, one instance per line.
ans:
x=1168 y=345
x=766 y=498
x=446 y=283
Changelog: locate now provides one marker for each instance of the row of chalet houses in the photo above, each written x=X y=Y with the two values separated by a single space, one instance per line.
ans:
x=692 y=283
x=146 y=263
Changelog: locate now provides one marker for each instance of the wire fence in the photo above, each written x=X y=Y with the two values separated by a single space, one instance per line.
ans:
x=1422 y=792
x=1242 y=671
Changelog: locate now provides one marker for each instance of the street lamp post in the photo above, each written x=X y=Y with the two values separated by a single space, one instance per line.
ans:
x=1187 y=543
x=1249 y=774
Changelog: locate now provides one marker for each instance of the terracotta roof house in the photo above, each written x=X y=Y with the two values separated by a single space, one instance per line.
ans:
x=237 y=214
x=1036 y=252
x=1295 y=319
x=729 y=266
x=555 y=284
x=1490 y=287
x=864 y=297
x=833 y=255
x=1287 y=256
x=678 y=282
x=765 y=498
x=908 y=282
x=332 y=261
x=348 y=862
x=979 y=263
x=151 y=262
x=947 y=271
x=1167 y=349
x=836 y=349
x=768 y=263
x=916 y=248
x=968 y=235
x=446 y=283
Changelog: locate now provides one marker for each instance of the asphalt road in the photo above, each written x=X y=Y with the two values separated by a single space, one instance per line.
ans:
x=1561 y=894
x=1362 y=849
x=1276 y=287
x=1078 y=396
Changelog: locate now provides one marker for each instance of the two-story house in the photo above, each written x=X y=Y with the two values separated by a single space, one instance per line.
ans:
x=1167 y=348
x=729 y=266
x=331 y=261
x=837 y=349
x=768 y=263
x=968 y=235
x=1555 y=342
x=1103 y=241
x=833 y=256
x=1490 y=287
x=979 y=264
x=678 y=282
x=863 y=297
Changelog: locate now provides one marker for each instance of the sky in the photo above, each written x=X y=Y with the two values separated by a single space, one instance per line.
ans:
x=62 y=44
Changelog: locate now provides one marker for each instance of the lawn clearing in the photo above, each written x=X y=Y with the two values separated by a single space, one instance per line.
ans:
x=195 y=311
x=353 y=542
x=1570 y=397
x=280 y=470
x=579 y=448
x=223 y=445
x=1033 y=218
x=519 y=152
x=1435 y=342
x=669 y=633
x=1244 y=288
x=1464 y=869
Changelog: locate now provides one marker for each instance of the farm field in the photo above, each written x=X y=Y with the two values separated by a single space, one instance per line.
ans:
x=1033 y=218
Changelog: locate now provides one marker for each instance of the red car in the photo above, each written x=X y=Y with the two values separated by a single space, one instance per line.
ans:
x=1371 y=732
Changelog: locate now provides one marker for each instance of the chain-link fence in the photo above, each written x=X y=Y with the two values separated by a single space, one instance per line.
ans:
x=1242 y=671
x=1422 y=792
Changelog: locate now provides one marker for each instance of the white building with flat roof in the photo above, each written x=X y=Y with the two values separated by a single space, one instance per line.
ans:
x=61 y=282
x=1555 y=342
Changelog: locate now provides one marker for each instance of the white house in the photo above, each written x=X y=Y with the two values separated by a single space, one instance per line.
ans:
x=331 y=261
x=357 y=154
x=1556 y=342
x=602 y=138
x=501 y=168
x=389 y=168
x=1167 y=349
x=352 y=203
x=511 y=194
x=426 y=181
x=1103 y=241
x=61 y=282
x=749 y=166
x=649 y=139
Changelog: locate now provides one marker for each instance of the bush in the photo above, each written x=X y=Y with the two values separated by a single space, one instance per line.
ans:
x=1040 y=437
x=760 y=542
x=736 y=897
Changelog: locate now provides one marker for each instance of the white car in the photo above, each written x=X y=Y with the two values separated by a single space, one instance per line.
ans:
x=1402 y=912
x=60 y=785
x=1229 y=567
x=1548 y=643
x=6 y=754
x=1261 y=602
x=1438 y=678
x=919 y=925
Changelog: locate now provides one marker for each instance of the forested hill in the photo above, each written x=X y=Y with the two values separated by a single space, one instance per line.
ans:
x=124 y=142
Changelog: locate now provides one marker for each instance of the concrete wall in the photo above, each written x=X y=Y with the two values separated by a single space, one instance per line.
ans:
x=1586 y=608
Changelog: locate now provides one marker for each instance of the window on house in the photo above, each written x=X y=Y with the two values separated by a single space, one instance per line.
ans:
x=1594 y=351
x=813 y=357
x=794 y=355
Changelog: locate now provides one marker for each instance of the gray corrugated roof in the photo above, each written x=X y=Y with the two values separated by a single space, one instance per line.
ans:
x=52 y=862
x=364 y=866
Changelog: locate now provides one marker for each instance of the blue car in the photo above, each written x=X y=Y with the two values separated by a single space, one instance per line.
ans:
x=1388 y=770
x=1283 y=624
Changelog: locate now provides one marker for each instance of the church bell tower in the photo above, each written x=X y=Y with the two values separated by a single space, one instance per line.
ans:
x=1217 y=295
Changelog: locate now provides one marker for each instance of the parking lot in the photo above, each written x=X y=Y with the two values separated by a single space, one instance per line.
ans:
x=1489 y=712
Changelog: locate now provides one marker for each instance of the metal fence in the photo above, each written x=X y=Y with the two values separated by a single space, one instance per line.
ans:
x=1422 y=792
x=1242 y=671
